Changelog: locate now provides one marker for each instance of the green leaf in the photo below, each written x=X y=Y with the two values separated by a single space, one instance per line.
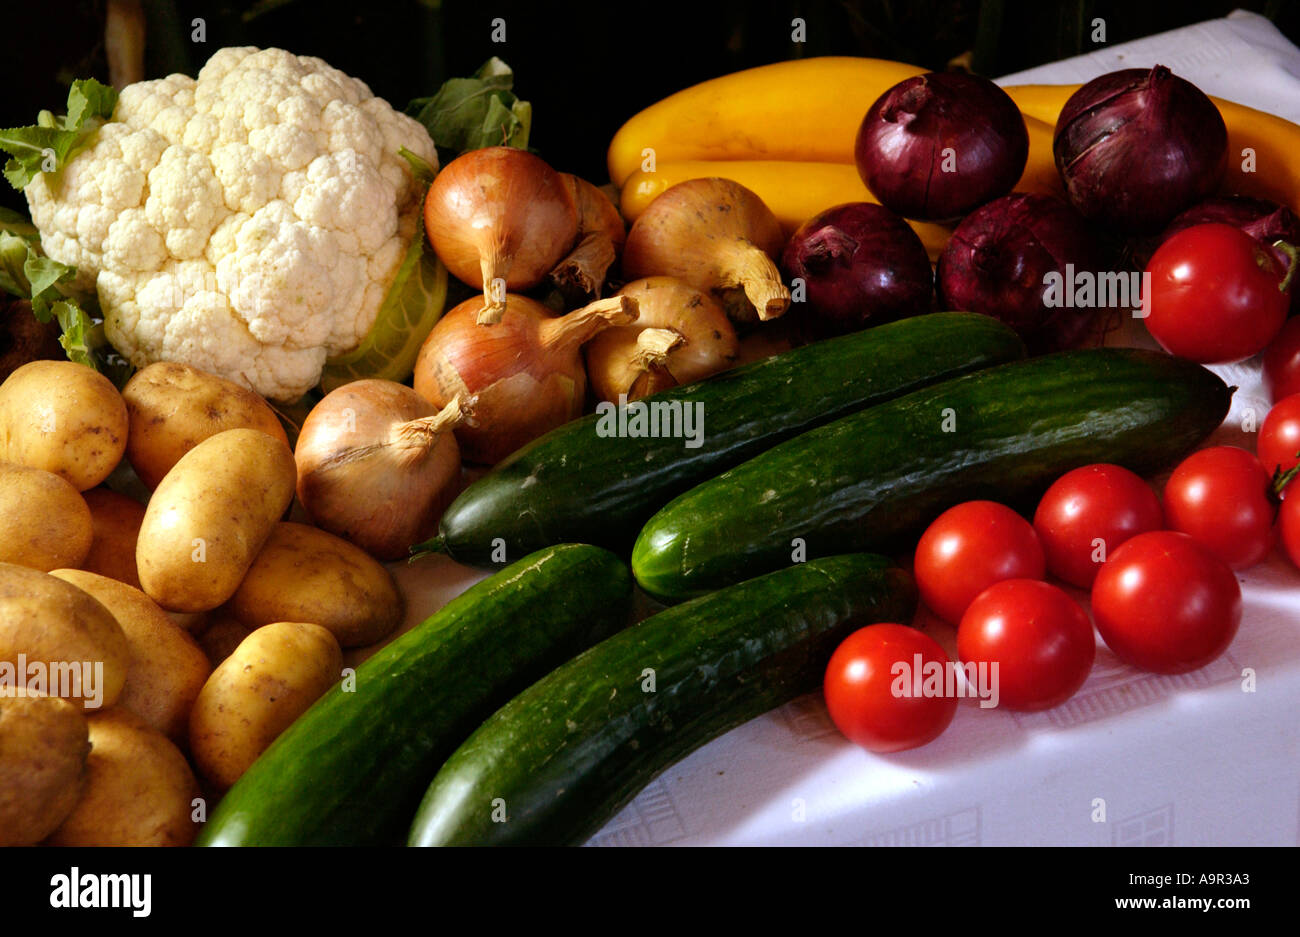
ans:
x=51 y=142
x=20 y=225
x=13 y=258
x=476 y=112
x=414 y=303
x=422 y=171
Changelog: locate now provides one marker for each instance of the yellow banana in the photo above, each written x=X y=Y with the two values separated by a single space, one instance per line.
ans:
x=804 y=110
x=1263 y=149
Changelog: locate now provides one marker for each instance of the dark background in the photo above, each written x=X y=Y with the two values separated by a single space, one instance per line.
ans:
x=585 y=67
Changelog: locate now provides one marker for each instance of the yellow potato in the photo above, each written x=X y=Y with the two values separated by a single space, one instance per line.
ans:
x=51 y=630
x=210 y=516
x=168 y=668
x=173 y=407
x=44 y=521
x=43 y=749
x=116 y=520
x=220 y=638
x=270 y=680
x=64 y=418
x=306 y=574
x=139 y=789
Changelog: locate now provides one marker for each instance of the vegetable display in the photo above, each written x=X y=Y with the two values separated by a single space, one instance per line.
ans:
x=575 y=746
x=311 y=340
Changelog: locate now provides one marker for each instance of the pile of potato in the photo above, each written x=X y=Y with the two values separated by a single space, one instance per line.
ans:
x=211 y=621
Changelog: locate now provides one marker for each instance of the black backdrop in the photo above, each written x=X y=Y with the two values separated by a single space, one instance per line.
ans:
x=586 y=67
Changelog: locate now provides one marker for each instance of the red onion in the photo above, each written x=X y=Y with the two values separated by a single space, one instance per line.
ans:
x=861 y=265
x=940 y=144
x=998 y=259
x=1136 y=147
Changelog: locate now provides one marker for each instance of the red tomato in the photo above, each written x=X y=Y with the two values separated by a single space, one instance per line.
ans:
x=1087 y=514
x=1038 y=636
x=967 y=549
x=1279 y=437
x=1288 y=528
x=1215 y=294
x=1165 y=603
x=1282 y=361
x=869 y=689
x=1220 y=496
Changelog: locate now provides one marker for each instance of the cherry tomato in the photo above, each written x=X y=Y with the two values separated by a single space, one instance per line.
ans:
x=1279 y=436
x=869 y=688
x=1087 y=514
x=1288 y=528
x=1215 y=294
x=1165 y=603
x=1220 y=496
x=1038 y=636
x=1282 y=361
x=967 y=549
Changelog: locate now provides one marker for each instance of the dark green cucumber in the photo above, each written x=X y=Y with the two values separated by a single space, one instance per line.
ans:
x=575 y=485
x=868 y=480
x=561 y=758
x=352 y=768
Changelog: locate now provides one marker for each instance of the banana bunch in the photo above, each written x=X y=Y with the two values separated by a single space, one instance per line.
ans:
x=786 y=131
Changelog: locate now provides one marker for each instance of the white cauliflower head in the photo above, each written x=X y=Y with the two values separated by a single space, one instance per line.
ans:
x=247 y=222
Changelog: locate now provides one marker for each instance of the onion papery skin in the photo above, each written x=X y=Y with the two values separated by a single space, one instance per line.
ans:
x=901 y=144
x=1135 y=147
x=997 y=261
x=861 y=265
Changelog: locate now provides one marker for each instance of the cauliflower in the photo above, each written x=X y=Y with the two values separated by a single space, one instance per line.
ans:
x=247 y=223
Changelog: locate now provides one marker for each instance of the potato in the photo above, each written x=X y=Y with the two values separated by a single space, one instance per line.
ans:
x=44 y=521
x=220 y=638
x=173 y=407
x=168 y=668
x=116 y=520
x=139 y=789
x=270 y=680
x=210 y=516
x=64 y=418
x=63 y=633
x=43 y=747
x=306 y=574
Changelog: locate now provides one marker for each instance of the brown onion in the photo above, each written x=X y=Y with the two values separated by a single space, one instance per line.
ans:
x=718 y=236
x=601 y=235
x=377 y=464
x=525 y=372
x=496 y=215
x=1136 y=147
x=680 y=336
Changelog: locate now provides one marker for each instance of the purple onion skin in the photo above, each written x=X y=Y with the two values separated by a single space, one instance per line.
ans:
x=861 y=265
x=999 y=256
x=1136 y=147
x=900 y=145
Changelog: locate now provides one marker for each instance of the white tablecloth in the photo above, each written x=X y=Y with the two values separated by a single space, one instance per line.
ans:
x=1132 y=759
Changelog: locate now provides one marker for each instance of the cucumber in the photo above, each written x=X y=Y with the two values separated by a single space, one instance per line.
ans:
x=351 y=769
x=574 y=485
x=564 y=756
x=867 y=481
